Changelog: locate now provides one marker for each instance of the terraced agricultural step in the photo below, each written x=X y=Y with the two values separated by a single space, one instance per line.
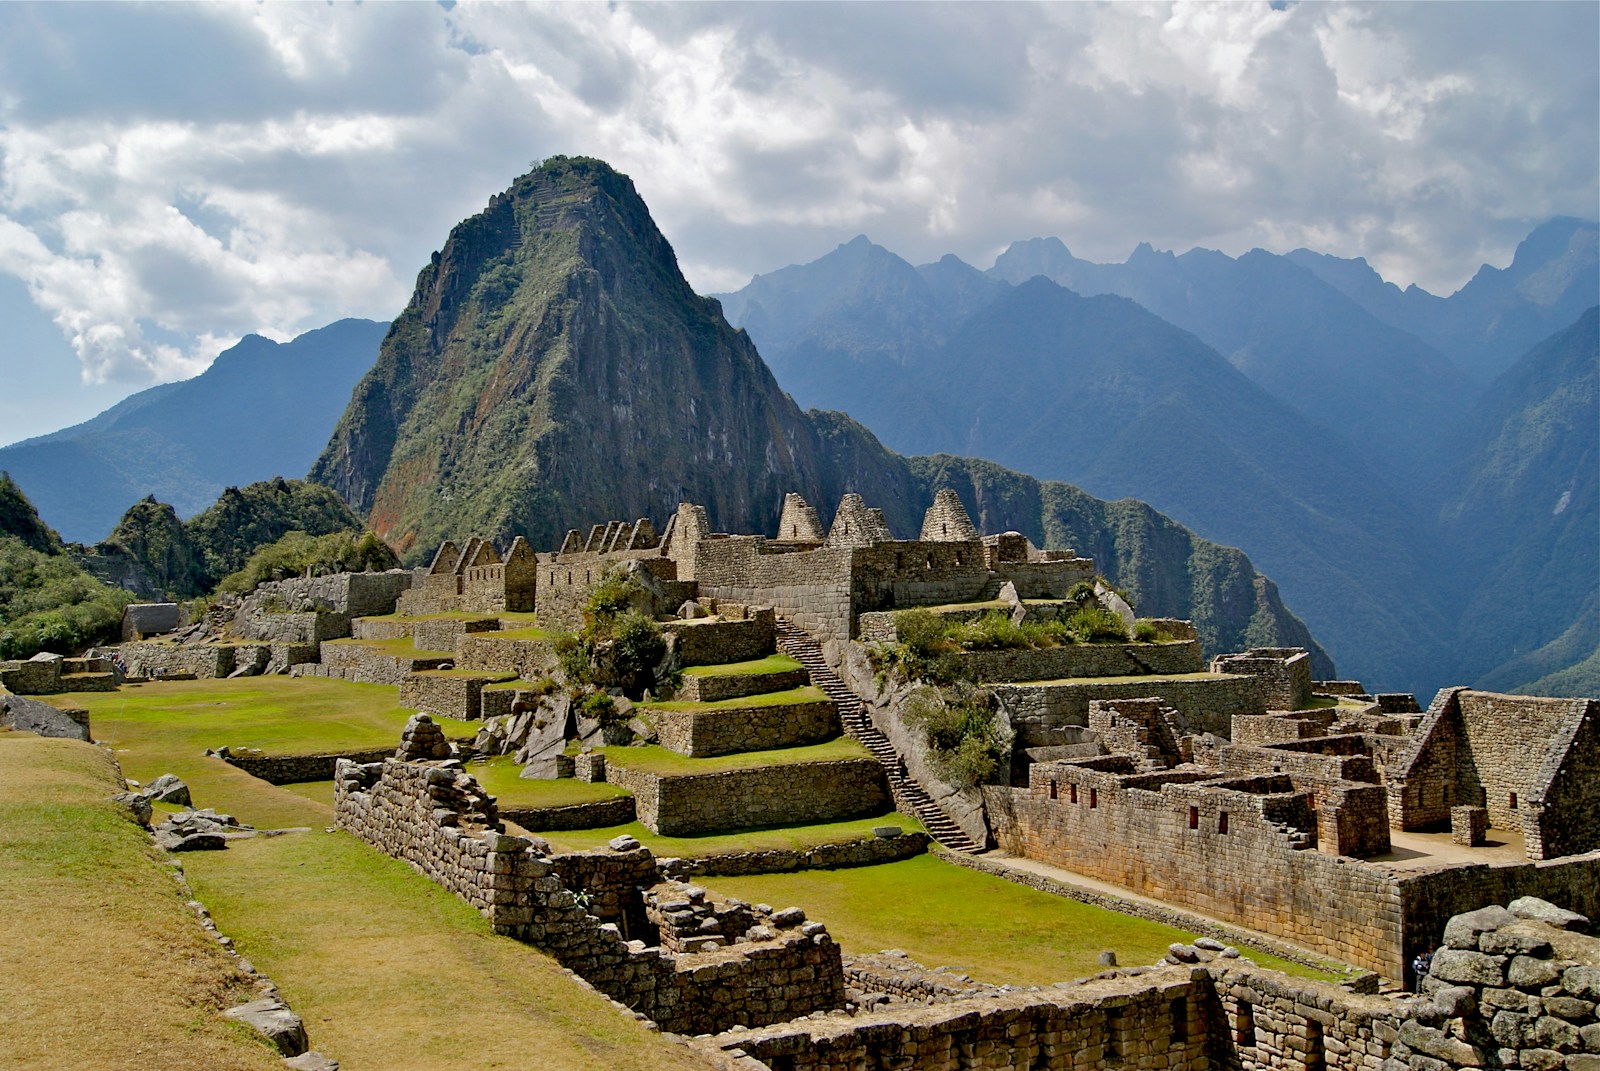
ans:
x=909 y=795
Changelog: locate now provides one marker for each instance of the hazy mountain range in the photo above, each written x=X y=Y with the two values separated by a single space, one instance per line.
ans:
x=1253 y=400
x=553 y=369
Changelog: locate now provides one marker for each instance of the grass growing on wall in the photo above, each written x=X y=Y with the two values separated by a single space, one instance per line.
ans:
x=500 y=777
x=945 y=915
x=806 y=694
x=101 y=965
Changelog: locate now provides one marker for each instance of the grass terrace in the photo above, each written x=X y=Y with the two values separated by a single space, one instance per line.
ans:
x=500 y=778
x=391 y=971
x=499 y=677
x=528 y=632
x=805 y=694
x=774 y=663
x=658 y=760
x=102 y=965
x=399 y=648
x=943 y=914
x=166 y=727
x=765 y=838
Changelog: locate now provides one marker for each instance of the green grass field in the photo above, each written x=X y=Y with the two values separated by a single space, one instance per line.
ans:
x=945 y=915
x=166 y=727
x=773 y=663
x=101 y=964
x=500 y=777
x=392 y=973
x=788 y=837
x=659 y=760
x=806 y=694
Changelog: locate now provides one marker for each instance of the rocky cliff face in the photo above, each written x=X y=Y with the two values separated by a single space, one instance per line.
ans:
x=553 y=368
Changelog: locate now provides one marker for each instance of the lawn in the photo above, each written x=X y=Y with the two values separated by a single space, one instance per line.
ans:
x=658 y=760
x=166 y=727
x=806 y=694
x=787 y=837
x=101 y=964
x=943 y=914
x=404 y=647
x=499 y=776
x=773 y=663
x=392 y=973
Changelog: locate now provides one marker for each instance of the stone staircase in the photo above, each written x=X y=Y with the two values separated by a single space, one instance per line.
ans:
x=909 y=796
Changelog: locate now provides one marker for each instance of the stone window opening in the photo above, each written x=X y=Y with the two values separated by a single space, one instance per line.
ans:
x=794 y=531
x=588 y=577
x=1316 y=1057
x=1072 y=793
x=1052 y=790
x=1513 y=801
x=1222 y=822
x=1094 y=797
x=944 y=529
x=1194 y=818
x=569 y=578
x=1113 y=1046
x=1244 y=1024
x=930 y=561
x=1180 y=1020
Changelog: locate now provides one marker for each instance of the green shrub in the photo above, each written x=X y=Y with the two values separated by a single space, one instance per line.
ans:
x=599 y=706
x=47 y=603
x=617 y=647
x=994 y=631
x=572 y=655
x=297 y=553
x=1082 y=593
x=966 y=743
x=1096 y=624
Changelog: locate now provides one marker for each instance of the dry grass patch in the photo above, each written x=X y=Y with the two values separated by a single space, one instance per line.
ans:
x=101 y=964
x=392 y=973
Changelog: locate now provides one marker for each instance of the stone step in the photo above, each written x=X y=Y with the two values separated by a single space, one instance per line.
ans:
x=908 y=794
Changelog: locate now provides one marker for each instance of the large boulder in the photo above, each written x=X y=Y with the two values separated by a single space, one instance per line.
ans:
x=42 y=719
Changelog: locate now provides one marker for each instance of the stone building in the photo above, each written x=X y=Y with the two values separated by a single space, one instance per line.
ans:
x=1532 y=764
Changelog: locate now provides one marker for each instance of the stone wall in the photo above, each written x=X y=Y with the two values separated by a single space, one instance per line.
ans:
x=1243 y=856
x=369 y=665
x=310 y=626
x=1511 y=755
x=446 y=634
x=566 y=581
x=1284 y=672
x=1083 y=660
x=297 y=769
x=1204 y=704
x=380 y=628
x=203 y=660
x=1429 y=898
x=39 y=675
x=715 y=641
x=1154 y=1020
x=701 y=734
x=707 y=688
x=597 y=814
x=812 y=587
x=489 y=652
x=451 y=695
x=436 y=818
x=872 y=851
x=681 y=805
x=350 y=594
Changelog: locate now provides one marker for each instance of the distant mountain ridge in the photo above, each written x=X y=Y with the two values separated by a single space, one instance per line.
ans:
x=262 y=409
x=553 y=369
x=1314 y=443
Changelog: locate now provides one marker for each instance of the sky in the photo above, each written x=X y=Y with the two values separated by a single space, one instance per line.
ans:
x=174 y=176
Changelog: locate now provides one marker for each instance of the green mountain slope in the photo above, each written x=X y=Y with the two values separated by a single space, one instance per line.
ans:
x=1520 y=513
x=553 y=369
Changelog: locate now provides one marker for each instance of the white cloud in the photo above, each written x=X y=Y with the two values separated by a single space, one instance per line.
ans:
x=172 y=176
